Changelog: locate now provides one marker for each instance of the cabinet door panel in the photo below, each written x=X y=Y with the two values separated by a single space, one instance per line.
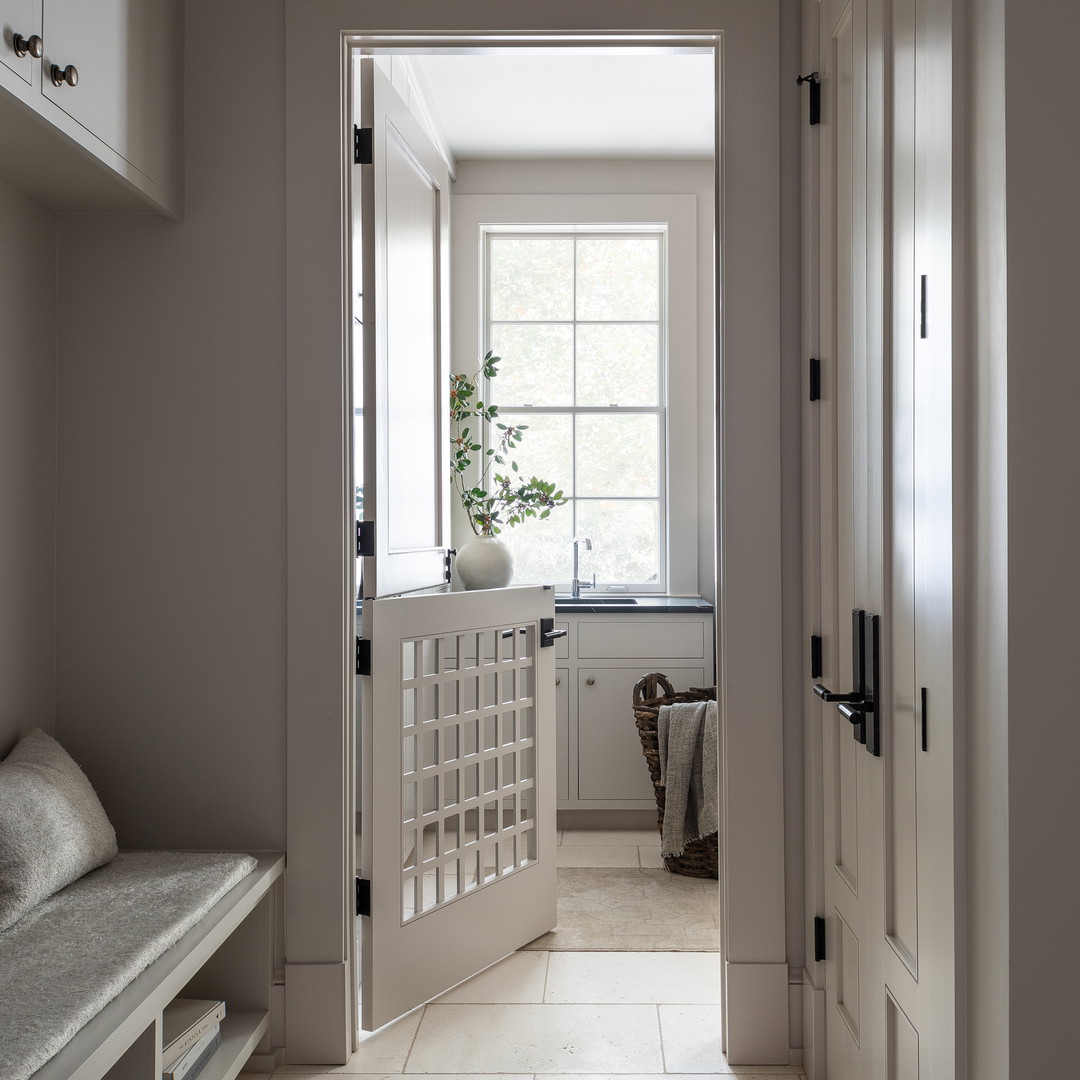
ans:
x=126 y=54
x=17 y=17
x=611 y=765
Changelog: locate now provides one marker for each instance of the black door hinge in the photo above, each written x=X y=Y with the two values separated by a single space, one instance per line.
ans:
x=448 y=563
x=815 y=656
x=815 y=379
x=365 y=538
x=363 y=656
x=819 y=937
x=363 y=146
x=815 y=95
x=363 y=896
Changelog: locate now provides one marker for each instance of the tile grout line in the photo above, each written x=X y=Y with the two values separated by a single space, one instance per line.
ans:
x=547 y=972
x=412 y=1041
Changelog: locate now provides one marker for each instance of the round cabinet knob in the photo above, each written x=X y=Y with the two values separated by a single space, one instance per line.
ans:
x=32 y=45
x=558 y=682
x=69 y=75
x=589 y=681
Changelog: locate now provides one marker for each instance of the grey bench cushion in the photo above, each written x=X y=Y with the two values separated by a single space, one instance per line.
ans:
x=68 y=957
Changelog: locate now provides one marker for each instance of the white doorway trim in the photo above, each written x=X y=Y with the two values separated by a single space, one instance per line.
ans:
x=319 y=999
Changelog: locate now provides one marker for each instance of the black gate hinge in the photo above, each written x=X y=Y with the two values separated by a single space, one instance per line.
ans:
x=363 y=656
x=815 y=379
x=365 y=538
x=448 y=562
x=815 y=95
x=815 y=656
x=363 y=896
x=819 y=937
x=363 y=146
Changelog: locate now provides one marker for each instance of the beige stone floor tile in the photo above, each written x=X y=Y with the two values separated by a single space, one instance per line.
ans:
x=609 y=837
x=691 y=1035
x=634 y=978
x=537 y=1038
x=600 y=856
x=518 y=979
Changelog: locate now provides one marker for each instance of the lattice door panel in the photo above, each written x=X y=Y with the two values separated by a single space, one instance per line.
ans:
x=468 y=762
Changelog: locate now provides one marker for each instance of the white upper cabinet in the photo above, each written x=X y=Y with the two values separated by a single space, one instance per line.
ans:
x=17 y=20
x=105 y=88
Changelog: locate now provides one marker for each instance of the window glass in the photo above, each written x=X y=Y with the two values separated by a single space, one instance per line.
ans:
x=577 y=319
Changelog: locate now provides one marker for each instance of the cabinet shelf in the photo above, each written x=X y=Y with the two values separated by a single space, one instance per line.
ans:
x=240 y=1034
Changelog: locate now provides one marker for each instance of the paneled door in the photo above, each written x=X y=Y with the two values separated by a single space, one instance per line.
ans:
x=457 y=701
x=885 y=462
x=849 y=522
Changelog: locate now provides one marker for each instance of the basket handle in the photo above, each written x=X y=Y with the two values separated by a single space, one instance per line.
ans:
x=646 y=688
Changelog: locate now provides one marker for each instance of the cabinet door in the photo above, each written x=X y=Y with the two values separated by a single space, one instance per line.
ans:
x=611 y=765
x=126 y=53
x=17 y=17
x=562 y=733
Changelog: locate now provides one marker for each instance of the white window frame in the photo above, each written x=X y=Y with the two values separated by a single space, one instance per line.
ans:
x=659 y=410
x=477 y=215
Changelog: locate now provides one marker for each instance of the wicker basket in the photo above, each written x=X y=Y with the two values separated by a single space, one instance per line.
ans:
x=699 y=858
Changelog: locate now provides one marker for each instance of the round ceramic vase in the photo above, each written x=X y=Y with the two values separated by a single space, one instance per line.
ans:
x=485 y=562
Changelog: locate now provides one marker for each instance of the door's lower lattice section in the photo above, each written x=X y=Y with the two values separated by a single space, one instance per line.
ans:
x=468 y=756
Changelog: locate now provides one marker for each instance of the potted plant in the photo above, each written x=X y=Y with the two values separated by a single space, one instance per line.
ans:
x=495 y=494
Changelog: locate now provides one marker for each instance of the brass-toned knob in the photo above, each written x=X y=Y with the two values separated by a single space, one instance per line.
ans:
x=32 y=45
x=69 y=75
x=589 y=681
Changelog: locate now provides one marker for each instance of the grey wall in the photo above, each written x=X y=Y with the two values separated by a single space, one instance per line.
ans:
x=171 y=563
x=27 y=464
x=1042 y=378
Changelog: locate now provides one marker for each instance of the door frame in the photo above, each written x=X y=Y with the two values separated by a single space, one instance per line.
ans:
x=319 y=1000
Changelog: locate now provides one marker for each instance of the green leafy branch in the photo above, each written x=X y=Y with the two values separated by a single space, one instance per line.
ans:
x=498 y=498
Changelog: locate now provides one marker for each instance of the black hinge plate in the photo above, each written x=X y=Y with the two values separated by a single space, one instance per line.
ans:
x=814 y=104
x=815 y=379
x=363 y=896
x=365 y=538
x=363 y=146
x=819 y=937
x=363 y=656
x=815 y=656
x=448 y=563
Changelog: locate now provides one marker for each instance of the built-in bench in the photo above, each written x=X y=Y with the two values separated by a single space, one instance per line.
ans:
x=97 y=931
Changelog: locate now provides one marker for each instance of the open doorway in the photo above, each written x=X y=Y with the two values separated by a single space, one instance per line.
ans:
x=583 y=247
x=753 y=858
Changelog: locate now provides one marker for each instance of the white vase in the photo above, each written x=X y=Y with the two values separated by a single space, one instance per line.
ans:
x=485 y=562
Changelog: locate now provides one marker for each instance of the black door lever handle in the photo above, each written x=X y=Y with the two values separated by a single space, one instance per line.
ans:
x=855 y=711
x=826 y=694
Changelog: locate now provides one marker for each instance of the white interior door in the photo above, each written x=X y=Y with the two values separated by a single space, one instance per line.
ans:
x=886 y=459
x=850 y=525
x=461 y=801
x=457 y=715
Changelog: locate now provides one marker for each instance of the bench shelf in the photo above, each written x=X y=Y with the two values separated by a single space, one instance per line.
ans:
x=228 y=955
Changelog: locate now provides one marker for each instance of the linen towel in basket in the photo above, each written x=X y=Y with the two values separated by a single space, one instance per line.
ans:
x=686 y=738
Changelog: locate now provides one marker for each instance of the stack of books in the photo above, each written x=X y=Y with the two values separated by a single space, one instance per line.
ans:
x=190 y=1033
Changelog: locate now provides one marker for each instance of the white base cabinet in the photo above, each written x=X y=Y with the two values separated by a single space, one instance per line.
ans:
x=601 y=766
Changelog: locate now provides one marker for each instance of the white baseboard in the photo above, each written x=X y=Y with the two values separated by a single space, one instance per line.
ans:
x=758 y=1018
x=318 y=1030
x=813 y=1026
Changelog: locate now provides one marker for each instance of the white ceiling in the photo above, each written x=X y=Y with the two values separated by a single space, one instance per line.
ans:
x=513 y=103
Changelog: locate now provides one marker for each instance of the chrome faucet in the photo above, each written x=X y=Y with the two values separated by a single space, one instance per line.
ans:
x=577 y=585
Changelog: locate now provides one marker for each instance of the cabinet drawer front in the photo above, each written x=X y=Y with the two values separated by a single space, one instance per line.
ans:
x=614 y=640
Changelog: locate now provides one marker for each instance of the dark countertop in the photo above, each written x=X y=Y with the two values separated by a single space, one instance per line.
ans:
x=631 y=605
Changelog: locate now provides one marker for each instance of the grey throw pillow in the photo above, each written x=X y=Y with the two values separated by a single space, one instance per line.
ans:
x=53 y=828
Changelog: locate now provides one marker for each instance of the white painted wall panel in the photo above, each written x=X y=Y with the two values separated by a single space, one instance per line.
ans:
x=171 y=572
x=27 y=464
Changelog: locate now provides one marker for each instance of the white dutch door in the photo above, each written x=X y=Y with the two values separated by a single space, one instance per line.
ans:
x=457 y=715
